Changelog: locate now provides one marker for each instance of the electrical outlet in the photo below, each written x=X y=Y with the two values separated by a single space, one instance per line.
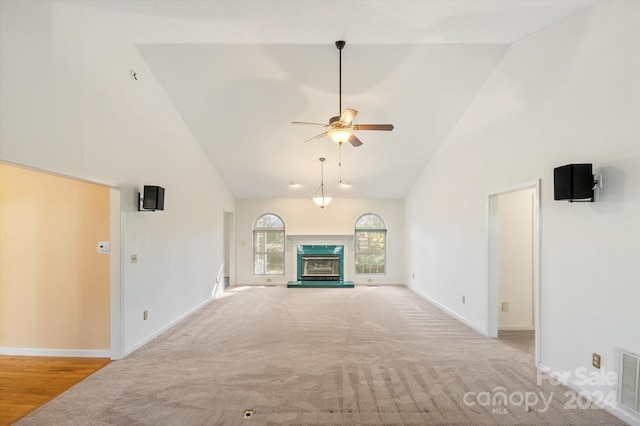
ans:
x=595 y=360
x=505 y=306
x=413 y=276
x=463 y=299
x=145 y=315
x=134 y=258
x=104 y=247
x=268 y=280
x=369 y=280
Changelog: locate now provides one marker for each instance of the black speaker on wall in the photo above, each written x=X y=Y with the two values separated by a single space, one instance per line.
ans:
x=153 y=198
x=573 y=182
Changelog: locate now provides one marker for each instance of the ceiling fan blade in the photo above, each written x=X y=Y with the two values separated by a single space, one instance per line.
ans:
x=353 y=139
x=348 y=115
x=387 y=127
x=316 y=137
x=307 y=122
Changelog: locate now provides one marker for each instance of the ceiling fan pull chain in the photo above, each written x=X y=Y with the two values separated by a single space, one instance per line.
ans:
x=340 y=160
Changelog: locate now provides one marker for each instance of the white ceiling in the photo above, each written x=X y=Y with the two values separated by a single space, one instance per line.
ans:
x=240 y=71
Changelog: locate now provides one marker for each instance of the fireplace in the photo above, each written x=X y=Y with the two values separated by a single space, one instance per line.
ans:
x=320 y=267
x=320 y=263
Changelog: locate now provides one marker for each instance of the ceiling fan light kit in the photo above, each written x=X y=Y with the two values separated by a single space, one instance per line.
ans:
x=340 y=135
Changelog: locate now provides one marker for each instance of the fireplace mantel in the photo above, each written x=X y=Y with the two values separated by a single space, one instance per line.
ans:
x=307 y=237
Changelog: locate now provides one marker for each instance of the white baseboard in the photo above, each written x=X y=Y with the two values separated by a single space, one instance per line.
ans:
x=618 y=411
x=516 y=328
x=271 y=284
x=450 y=312
x=81 y=353
x=156 y=333
x=364 y=284
x=380 y=284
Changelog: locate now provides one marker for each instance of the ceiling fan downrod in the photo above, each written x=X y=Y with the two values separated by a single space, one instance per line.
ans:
x=340 y=45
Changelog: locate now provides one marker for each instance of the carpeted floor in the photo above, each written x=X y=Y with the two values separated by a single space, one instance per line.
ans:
x=521 y=340
x=272 y=355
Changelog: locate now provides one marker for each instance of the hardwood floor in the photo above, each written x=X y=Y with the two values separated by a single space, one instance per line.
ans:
x=27 y=382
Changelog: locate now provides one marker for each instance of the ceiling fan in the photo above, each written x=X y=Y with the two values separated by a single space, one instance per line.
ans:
x=341 y=127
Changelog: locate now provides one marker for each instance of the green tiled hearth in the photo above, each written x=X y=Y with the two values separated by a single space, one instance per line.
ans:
x=320 y=284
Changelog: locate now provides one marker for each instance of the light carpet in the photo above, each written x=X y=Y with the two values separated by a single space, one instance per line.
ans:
x=275 y=356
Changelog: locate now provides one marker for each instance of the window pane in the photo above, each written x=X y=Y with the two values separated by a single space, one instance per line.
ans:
x=370 y=251
x=259 y=263
x=370 y=221
x=370 y=264
x=370 y=241
x=275 y=241
x=269 y=221
x=258 y=241
x=275 y=264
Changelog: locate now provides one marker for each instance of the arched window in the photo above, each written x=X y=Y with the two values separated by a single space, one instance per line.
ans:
x=371 y=244
x=268 y=245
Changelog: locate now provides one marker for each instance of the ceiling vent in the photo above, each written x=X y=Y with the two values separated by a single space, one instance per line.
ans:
x=629 y=380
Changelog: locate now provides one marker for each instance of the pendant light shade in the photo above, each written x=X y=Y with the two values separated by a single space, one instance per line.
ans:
x=321 y=197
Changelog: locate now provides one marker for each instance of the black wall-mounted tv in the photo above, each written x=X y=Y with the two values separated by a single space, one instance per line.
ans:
x=573 y=182
x=153 y=198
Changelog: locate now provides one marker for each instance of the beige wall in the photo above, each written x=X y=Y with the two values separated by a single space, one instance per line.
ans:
x=54 y=286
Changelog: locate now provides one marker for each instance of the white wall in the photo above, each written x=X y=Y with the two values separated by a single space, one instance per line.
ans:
x=303 y=217
x=567 y=94
x=69 y=106
x=515 y=259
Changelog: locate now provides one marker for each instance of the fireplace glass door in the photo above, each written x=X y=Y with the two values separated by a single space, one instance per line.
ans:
x=321 y=267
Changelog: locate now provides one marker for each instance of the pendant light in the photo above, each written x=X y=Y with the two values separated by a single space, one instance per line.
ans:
x=321 y=198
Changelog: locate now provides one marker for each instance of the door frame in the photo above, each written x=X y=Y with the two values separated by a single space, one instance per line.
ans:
x=116 y=304
x=492 y=260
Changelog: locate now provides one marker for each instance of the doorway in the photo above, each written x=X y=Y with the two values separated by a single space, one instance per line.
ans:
x=60 y=245
x=514 y=286
x=61 y=254
x=229 y=238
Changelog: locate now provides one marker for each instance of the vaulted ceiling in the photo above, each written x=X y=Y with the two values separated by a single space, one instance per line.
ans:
x=239 y=72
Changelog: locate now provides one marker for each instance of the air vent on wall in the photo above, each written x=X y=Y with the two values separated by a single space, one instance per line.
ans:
x=629 y=380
